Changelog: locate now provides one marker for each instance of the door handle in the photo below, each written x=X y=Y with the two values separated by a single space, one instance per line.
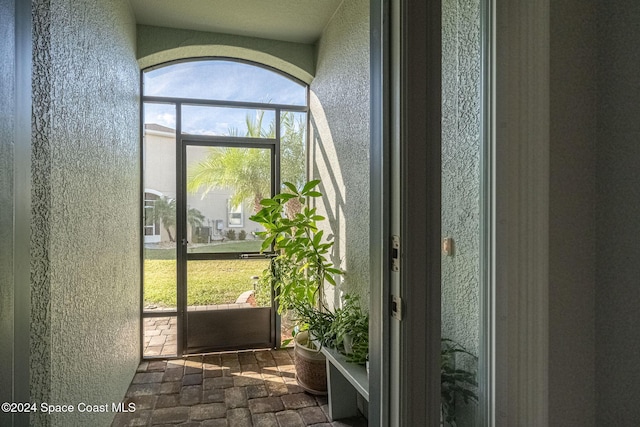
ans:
x=249 y=256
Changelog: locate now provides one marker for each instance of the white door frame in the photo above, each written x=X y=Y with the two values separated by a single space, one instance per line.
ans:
x=517 y=93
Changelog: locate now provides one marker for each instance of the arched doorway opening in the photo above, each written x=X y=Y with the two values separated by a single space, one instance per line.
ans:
x=218 y=136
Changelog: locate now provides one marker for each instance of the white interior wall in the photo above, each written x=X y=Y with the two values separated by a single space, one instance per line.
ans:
x=339 y=133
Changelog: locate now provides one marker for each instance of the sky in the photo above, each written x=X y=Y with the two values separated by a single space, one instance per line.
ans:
x=220 y=80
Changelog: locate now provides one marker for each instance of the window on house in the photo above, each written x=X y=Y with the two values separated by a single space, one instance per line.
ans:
x=151 y=221
x=235 y=216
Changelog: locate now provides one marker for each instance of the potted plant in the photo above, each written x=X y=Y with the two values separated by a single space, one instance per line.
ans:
x=299 y=272
x=351 y=330
x=456 y=383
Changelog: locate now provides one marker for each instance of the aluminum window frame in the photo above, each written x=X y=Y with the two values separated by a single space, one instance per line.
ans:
x=184 y=140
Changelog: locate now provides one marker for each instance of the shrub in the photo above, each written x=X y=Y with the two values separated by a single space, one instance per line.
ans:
x=242 y=235
x=231 y=234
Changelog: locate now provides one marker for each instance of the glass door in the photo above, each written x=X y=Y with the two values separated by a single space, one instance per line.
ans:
x=224 y=304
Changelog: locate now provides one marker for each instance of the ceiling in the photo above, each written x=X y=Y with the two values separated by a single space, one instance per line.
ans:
x=299 y=21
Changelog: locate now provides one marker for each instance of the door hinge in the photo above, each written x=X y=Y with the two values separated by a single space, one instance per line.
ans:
x=396 y=307
x=395 y=253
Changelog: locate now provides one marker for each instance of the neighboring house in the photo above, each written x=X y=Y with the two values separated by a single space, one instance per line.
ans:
x=220 y=216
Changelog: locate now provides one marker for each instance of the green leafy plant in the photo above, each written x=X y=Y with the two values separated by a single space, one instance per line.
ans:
x=319 y=322
x=242 y=235
x=230 y=234
x=301 y=266
x=351 y=330
x=456 y=384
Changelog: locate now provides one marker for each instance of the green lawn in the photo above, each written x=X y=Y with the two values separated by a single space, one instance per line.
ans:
x=208 y=282
x=231 y=246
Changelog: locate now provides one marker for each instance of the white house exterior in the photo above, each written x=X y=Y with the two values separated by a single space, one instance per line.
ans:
x=160 y=181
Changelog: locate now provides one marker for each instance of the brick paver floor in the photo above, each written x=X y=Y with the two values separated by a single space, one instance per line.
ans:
x=160 y=336
x=250 y=388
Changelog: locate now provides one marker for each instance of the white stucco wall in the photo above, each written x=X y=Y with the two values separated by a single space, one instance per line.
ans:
x=461 y=146
x=339 y=133
x=158 y=44
x=85 y=339
x=461 y=170
x=159 y=162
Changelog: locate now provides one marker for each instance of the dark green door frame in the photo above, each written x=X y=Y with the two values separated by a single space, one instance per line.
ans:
x=242 y=327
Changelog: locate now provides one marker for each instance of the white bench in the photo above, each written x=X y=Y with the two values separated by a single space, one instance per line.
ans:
x=344 y=382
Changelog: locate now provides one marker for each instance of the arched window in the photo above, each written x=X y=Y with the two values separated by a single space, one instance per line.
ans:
x=151 y=220
x=225 y=99
x=218 y=137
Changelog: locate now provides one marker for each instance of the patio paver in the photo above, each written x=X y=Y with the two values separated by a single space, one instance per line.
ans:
x=160 y=336
x=251 y=388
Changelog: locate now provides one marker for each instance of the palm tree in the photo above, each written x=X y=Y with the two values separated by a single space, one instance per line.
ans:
x=194 y=218
x=164 y=210
x=293 y=149
x=293 y=157
x=247 y=170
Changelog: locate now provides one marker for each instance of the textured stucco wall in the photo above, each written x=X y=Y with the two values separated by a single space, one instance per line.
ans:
x=7 y=90
x=461 y=170
x=157 y=45
x=572 y=213
x=85 y=229
x=461 y=178
x=339 y=136
x=617 y=216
